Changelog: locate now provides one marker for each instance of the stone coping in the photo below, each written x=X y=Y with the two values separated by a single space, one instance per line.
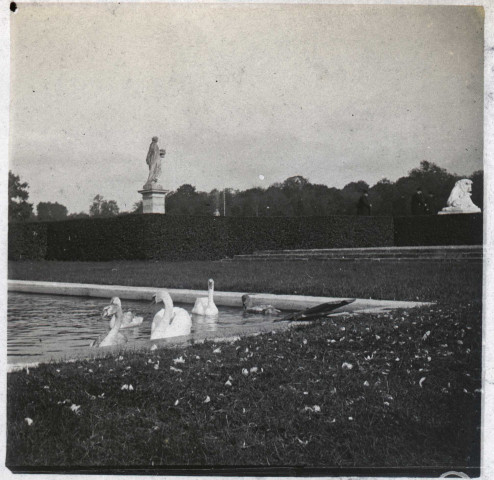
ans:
x=230 y=299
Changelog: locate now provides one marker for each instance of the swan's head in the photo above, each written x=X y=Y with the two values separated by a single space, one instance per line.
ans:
x=163 y=296
x=210 y=284
x=112 y=309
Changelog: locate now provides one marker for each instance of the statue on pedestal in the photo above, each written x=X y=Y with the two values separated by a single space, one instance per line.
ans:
x=153 y=194
x=153 y=161
x=459 y=200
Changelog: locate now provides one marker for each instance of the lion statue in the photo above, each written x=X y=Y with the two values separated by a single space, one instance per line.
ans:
x=459 y=200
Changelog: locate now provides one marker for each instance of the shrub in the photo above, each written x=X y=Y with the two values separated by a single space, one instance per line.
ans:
x=164 y=237
x=466 y=229
x=170 y=237
x=27 y=241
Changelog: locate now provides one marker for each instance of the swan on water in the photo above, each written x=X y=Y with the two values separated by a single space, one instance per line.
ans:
x=114 y=337
x=170 y=321
x=262 y=309
x=205 y=305
x=129 y=320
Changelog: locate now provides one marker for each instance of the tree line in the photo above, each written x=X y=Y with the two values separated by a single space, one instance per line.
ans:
x=296 y=196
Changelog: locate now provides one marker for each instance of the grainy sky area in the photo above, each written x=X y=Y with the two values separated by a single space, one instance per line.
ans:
x=333 y=93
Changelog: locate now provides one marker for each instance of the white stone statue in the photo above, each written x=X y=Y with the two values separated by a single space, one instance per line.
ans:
x=459 y=200
x=153 y=161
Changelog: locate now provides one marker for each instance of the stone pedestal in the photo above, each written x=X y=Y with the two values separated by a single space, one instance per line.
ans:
x=455 y=211
x=153 y=200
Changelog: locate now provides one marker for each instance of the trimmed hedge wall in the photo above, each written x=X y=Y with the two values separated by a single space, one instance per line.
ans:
x=27 y=241
x=466 y=229
x=163 y=237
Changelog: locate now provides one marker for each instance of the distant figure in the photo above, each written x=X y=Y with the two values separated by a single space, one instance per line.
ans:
x=459 y=200
x=418 y=204
x=153 y=161
x=431 y=208
x=363 y=205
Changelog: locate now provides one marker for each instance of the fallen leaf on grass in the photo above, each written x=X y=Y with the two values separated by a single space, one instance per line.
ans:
x=178 y=360
x=207 y=400
x=253 y=370
x=421 y=381
x=245 y=372
x=346 y=366
x=154 y=347
x=228 y=383
x=173 y=369
x=75 y=408
x=217 y=350
x=29 y=421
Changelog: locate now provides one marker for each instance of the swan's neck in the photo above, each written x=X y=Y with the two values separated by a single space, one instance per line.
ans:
x=118 y=318
x=210 y=294
x=168 y=316
x=119 y=314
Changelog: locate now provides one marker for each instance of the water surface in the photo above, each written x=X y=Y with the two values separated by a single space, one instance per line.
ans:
x=41 y=328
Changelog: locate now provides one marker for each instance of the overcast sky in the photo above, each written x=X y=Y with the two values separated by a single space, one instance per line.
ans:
x=333 y=93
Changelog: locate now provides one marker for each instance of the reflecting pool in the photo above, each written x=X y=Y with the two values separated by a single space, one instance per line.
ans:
x=55 y=327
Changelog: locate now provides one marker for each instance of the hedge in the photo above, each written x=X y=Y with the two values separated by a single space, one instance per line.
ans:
x=466 y=229
x=27 y=241
x=166 y=237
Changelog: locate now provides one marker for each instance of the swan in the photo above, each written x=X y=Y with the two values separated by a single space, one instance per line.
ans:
x=205 y=305
x=263 y=309
x=129 y=320
x=169 y=321
x=114 y=337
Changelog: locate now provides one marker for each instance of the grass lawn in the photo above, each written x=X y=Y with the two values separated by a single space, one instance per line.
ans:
x=393 y=390
x=425 y=281
x=406 y=401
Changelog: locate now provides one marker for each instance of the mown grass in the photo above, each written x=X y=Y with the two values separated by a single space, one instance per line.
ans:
x=411 y=399
x=401 y=280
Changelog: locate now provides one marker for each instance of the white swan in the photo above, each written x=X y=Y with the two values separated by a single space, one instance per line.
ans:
x=114 y=337
x=169 y=321
x=129 y=320
x=205 y=305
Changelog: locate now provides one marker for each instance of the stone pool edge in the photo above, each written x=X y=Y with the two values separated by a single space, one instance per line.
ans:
x=230 y=299
x=227 y=299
